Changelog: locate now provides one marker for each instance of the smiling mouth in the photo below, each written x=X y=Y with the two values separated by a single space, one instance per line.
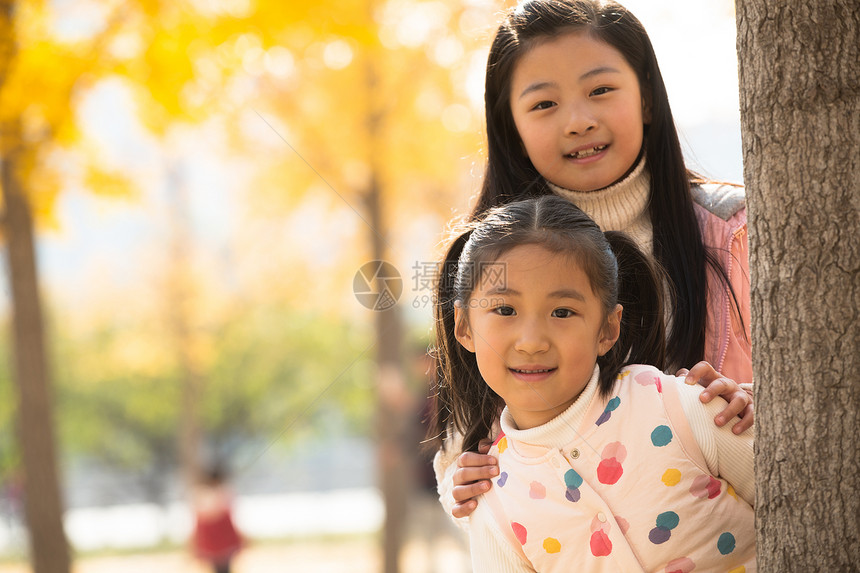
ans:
x=587 y=152
x=541 y=371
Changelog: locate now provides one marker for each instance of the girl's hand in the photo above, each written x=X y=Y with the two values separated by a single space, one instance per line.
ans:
x=740 y=402
x=472 y=478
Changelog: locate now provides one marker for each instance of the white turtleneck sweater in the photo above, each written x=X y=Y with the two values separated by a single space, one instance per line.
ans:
x=727 y=455
x=619 y=207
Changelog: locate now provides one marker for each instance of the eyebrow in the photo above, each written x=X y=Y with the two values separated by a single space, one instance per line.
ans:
x=598 y=71
x=567 y=293
x=590 y=73
x=561 y=293
x=503 y=290
x=537 y=86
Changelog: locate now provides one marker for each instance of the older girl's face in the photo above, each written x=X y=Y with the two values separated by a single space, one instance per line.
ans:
x=579 y=111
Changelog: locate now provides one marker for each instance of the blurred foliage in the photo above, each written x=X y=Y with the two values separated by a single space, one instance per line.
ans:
x=120 y=403
x=317 y=98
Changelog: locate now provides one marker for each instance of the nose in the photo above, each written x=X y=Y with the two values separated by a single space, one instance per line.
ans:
x=532 y=338
x=580 y=120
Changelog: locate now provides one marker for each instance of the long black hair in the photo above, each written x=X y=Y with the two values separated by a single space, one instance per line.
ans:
x=510 y=174
x=619 y=273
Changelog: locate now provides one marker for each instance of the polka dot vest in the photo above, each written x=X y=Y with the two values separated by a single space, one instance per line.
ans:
x=631 y=492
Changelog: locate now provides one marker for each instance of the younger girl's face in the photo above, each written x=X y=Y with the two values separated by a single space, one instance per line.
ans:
x=579 y=111
x=536 y=329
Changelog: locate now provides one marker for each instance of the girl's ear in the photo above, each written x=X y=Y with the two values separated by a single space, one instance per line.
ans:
x=462 y=332
x=611 y=330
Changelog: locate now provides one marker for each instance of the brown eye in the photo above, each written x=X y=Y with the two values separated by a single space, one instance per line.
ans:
x=505 y=310
x=601 y=90
x=544 y=105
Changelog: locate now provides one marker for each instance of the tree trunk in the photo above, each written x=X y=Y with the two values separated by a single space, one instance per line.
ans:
x=43 y=505
x=393 y=400
x=180 y=298
x=393 y=403
x=800 y=116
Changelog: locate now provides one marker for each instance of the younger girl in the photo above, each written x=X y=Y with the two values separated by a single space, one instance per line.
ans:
x=605 y=466
x=576 y=107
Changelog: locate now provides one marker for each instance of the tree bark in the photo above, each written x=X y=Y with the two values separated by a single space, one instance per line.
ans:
x=800 y=119
x=49 y=552
x=393 y=399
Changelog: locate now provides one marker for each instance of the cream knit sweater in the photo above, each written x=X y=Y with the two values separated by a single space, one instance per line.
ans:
x=619 y=207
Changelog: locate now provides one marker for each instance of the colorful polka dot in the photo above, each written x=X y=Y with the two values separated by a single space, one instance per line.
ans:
x=740 y=569
x=731 y=491
x=551 y=545
x=572 y=480
x=609 y=469
x=520 y=532
x=680 y=565
x=503 y=478
x=666 y=521
x=647 y=378
x=661 y=436
x=623 y=524
x=600 y=544
x=537 y=490
x=706 y=486
x=726 y=543
x=607 y=412
x=502 y=444
x=598 y=524
x=671 y=477
x=659 y=535
x=614 y=450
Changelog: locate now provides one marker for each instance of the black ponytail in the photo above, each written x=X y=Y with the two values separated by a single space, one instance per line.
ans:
x=642 y=339
x=462 y=401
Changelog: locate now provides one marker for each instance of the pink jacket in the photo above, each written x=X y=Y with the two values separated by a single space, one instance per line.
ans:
x=722 y=217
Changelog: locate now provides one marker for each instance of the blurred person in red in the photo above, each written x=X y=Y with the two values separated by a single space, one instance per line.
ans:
x=215 y=539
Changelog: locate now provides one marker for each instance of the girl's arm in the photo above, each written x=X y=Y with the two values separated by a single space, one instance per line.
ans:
x=472 y=478
x=461 y=480
x=740 y=402
x=728 y=455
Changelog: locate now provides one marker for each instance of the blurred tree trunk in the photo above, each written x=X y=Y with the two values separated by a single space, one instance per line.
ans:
x=800 y=115
x=392 y=407
x=180 y=321
x=49 y=552
x=392 y=414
